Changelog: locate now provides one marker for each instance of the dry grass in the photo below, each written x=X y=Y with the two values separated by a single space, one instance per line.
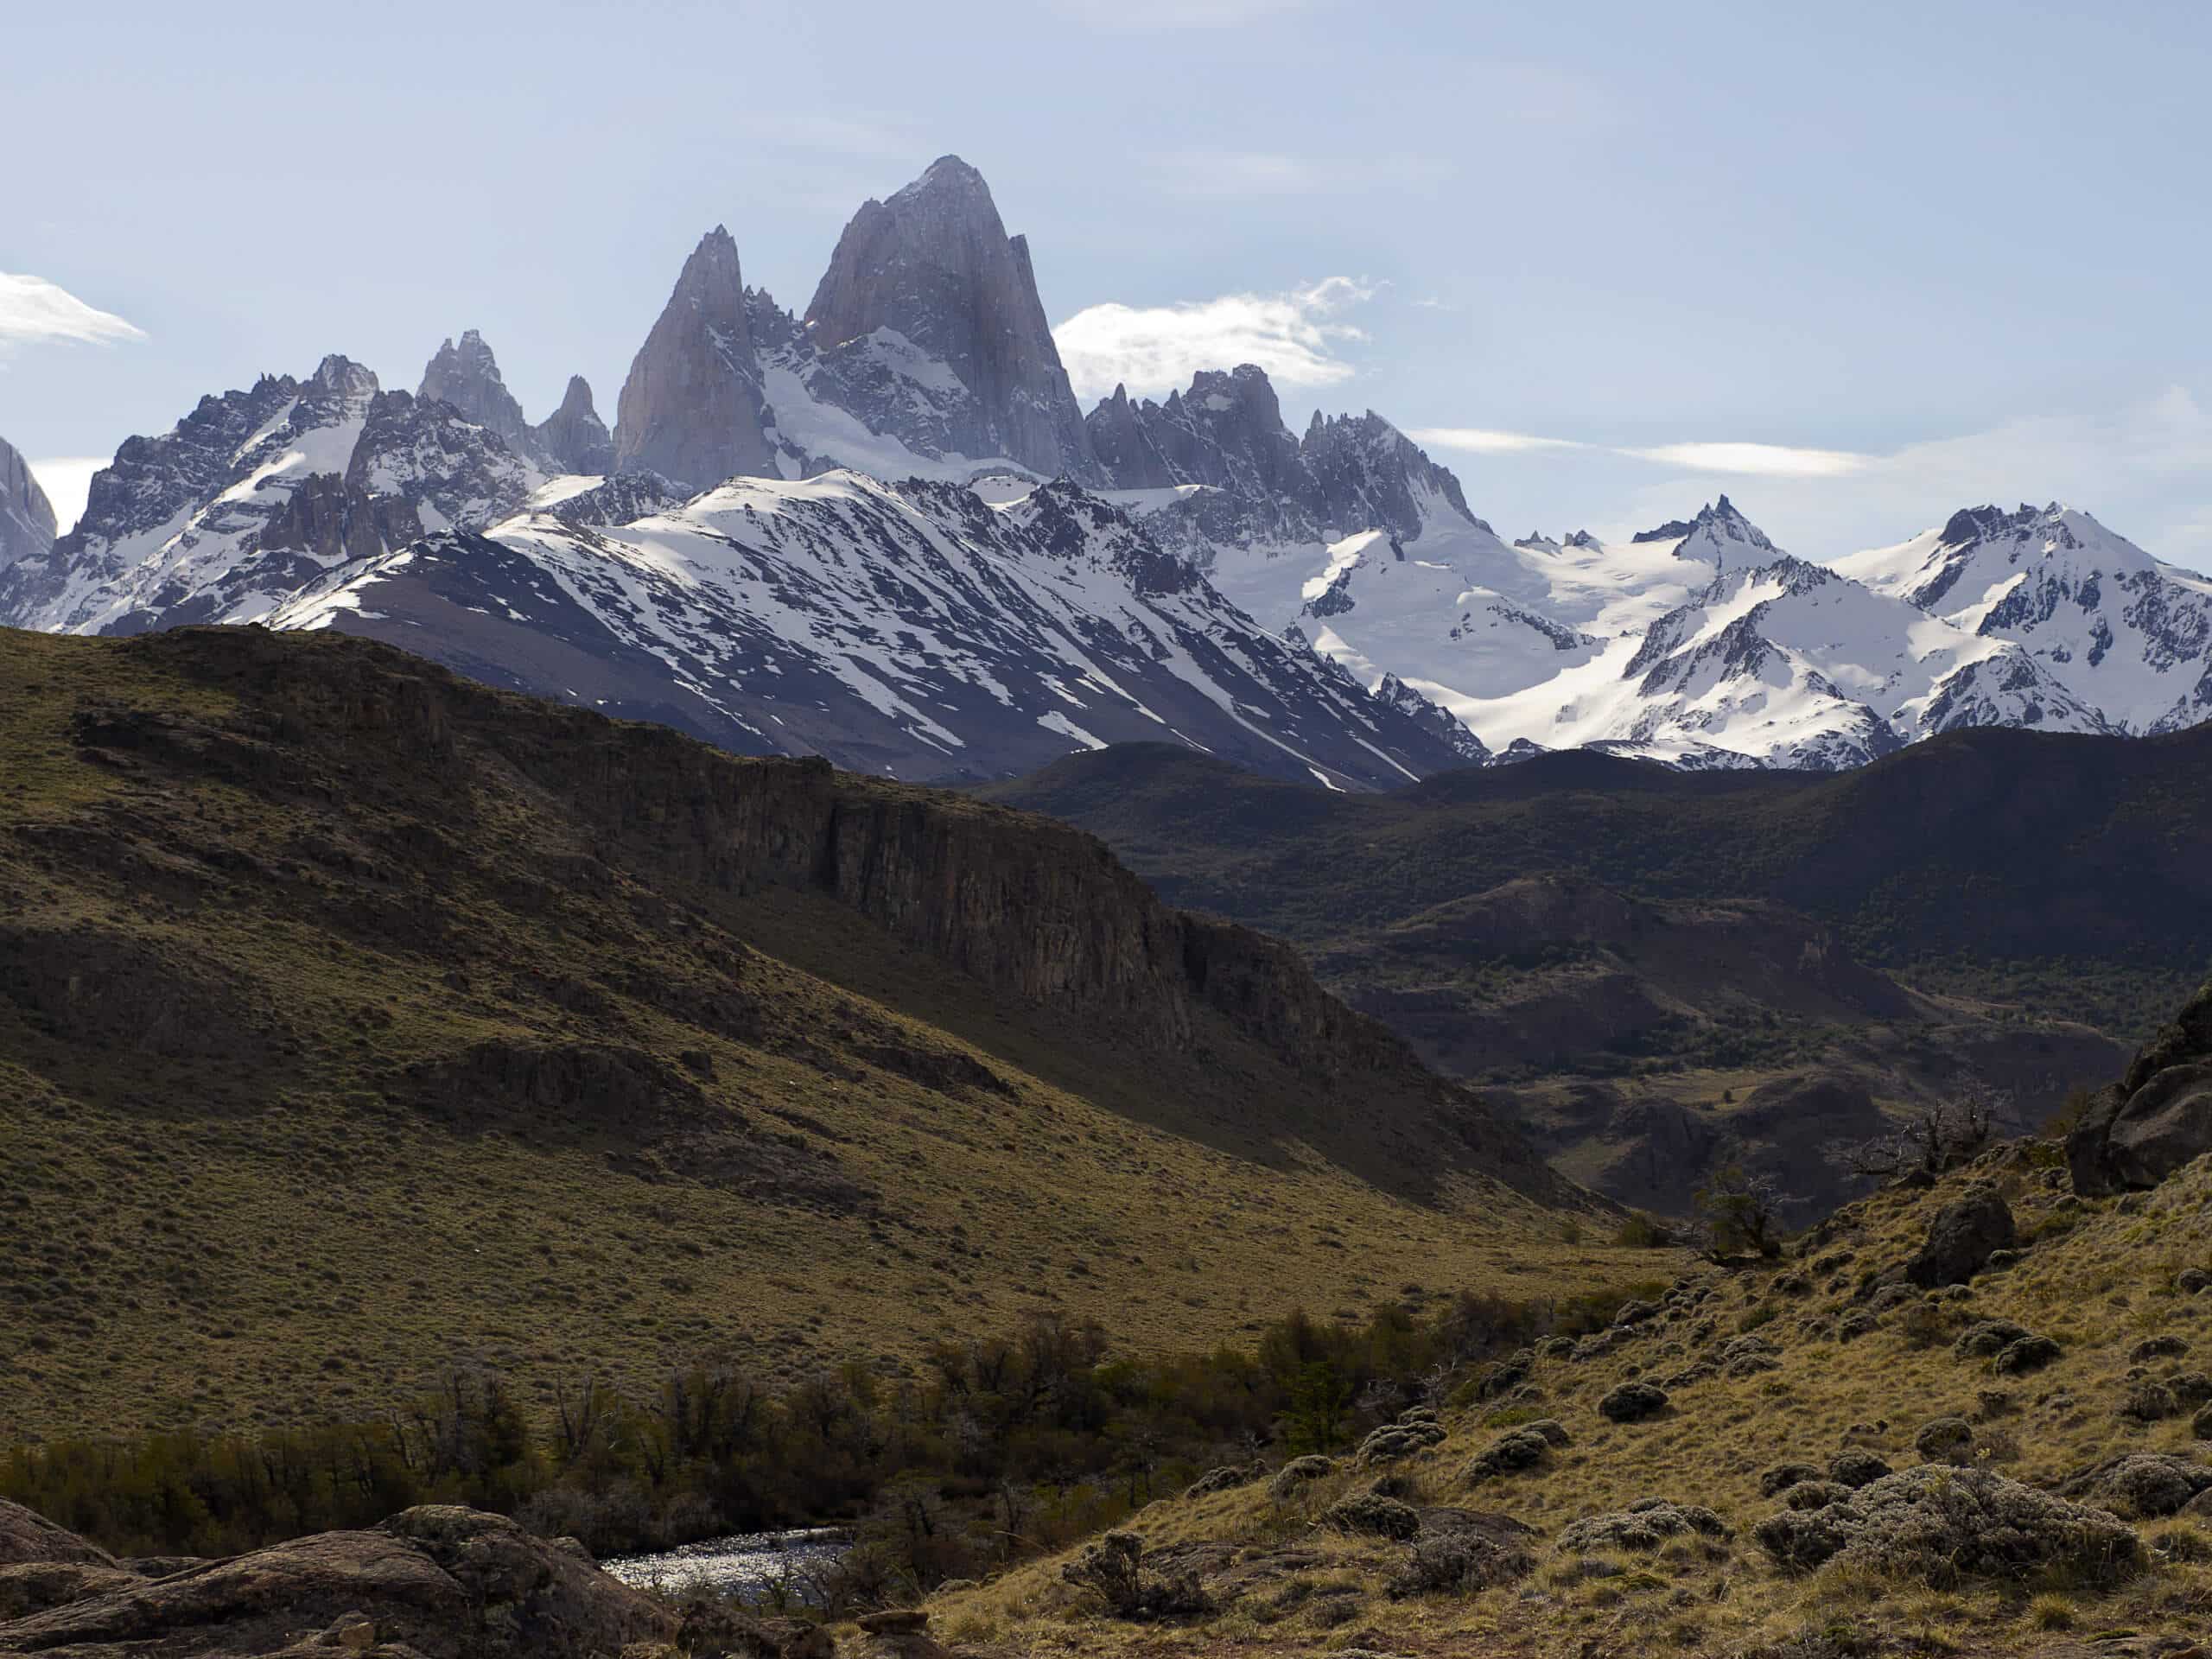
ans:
x=2101 y=1285
x=272 y=1233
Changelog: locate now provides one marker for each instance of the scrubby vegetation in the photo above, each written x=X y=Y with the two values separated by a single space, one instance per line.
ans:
x=1845 y=1462
x=993 y=1448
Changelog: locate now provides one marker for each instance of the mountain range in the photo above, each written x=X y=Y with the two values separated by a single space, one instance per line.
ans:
x=884 y=531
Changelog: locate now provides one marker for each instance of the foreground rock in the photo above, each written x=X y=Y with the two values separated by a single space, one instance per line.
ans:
x=439 y=1582
x=1962 y=1239
x=2155 y=1119
x=29 y=1536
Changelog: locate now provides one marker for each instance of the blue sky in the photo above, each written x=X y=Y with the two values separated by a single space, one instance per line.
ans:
x=1855 y=266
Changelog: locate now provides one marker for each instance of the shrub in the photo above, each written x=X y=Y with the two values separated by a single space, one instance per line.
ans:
x=1460 y=1563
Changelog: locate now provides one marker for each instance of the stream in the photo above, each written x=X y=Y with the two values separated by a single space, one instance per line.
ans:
x=744 y=1563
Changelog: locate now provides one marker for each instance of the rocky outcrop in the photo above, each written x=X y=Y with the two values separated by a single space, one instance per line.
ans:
x=27 y=1538
x=1261 y=483
x=1960 y=1239
x=335 y=521
x=467 y=377
x=152 y=484
x=2155 y=1119
x=430 y=454
x=573 y=436
x=573 y=439
x=436 y=1582
x=934 y=266
x=27 y=521
x=692 y=409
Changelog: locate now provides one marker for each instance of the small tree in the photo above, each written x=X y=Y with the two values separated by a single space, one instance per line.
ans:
x=1938 y=1138
x=1319 y=1402
x=1739 y=1211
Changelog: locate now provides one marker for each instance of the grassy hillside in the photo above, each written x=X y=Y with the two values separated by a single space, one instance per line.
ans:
x=1800 y=1361
x=356 y=1020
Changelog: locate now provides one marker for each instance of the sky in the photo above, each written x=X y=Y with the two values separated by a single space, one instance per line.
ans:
x=1857 y=265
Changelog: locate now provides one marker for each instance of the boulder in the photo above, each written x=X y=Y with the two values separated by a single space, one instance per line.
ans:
x=2158 y=1117
x=448 y=1583
x=1631 y=1402
x=1961 y=1238
x=1856 y=1466
x=1947 y=1439
x=2028 y=1354
x=27 y=1536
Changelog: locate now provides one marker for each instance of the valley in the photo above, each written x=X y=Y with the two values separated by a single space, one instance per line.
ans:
x=586 y=1049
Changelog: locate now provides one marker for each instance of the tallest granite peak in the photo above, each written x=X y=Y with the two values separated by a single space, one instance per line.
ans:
x=692 y=407
x=934 y=265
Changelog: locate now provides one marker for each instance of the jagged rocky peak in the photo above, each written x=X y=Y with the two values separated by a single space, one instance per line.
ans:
x=573 y=436
x=467 y=377
x=340 y=390
x=1433 y=717
x=692 y=407
x=934 y=265
x=26 y=523
x=1721 y=536
x=1225 y=431
x=1371 y=473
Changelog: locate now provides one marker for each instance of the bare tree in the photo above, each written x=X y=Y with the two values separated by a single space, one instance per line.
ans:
x=1941 y=1137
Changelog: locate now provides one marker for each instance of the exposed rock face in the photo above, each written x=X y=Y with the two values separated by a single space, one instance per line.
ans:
x=336 y=521
x=1348 y=473
x=573 y=436
x=27 y=1537
x=430 y=454
x=172 y=512
x=692 y=407
x=2155 y=1119
x=467 y=377
x=256 y=493
x=935 y=266
x=438 y=1581
x=1396 y=694
x=771 y=616
x=26 y=516
x=1961 y=1238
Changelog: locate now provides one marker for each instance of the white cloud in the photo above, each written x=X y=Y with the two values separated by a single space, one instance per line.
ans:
x=1757 y=460
x=1747 y=459
x=33 y=309
x=2144 y=469
x=1487 y=441
x=1293 y=336
x=67 y=479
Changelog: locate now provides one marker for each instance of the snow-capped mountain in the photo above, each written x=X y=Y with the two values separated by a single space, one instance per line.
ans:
x=2121 y=632
x=907 y=628
x=26 y=516
x=209 y=521
x=883 y=531
x=1782 y=663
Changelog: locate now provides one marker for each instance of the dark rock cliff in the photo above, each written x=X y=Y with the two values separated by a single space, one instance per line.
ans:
x=1032 y=909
